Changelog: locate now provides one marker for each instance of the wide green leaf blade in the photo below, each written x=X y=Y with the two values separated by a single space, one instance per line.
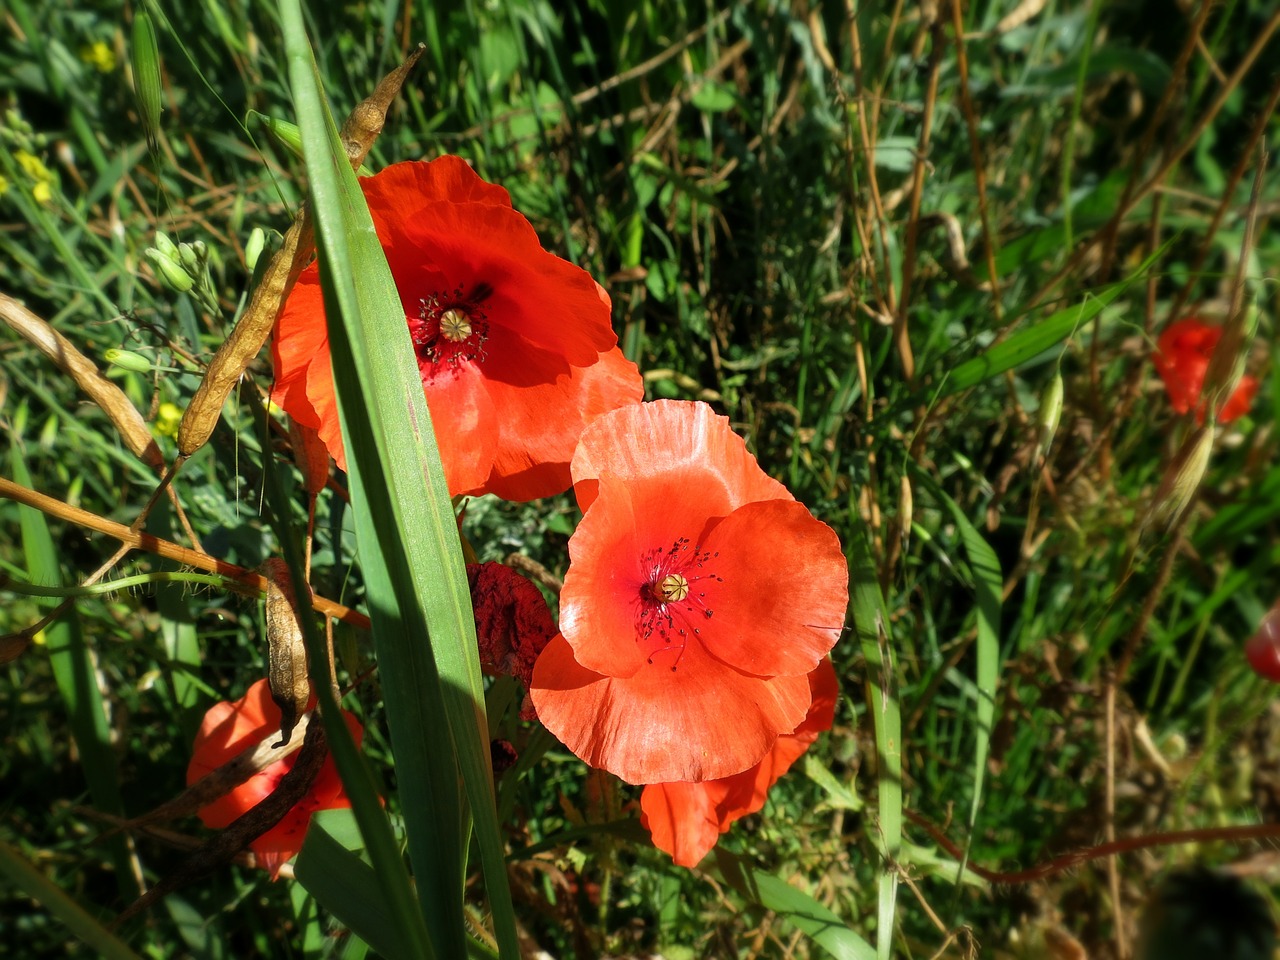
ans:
x=424 y=630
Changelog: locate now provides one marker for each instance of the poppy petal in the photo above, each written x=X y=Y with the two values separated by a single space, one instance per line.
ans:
x=686 y=819
x=785 y=589
x=674 y=439
x=700 y=721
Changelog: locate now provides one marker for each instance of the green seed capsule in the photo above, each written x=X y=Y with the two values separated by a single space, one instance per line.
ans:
x=254 y=247
x=1050 y=414
x=127 y=360
x=190 y=259
x=171 y=273
x=166 y=247
x=146 y=74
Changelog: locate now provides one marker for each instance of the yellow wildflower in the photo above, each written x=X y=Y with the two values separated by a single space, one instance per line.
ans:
x=33 y=166
x=100 y=56
x=167 y=419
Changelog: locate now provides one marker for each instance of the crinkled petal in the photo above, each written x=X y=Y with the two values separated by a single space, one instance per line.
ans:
x=686 y=819
x=677 y=440
x=464 y=419
x=403 y=191
x=230 y=728
x=682 y=819
x=300 y=337
x=781 y=605
x=543 y=420
x=1240 y=401
x=700 y=721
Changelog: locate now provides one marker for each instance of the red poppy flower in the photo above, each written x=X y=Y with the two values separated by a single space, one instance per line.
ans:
x=227 y=731
x=699 y=596
x=686 y=819
x=1182 y=359
x=1263 y=648
x=513 y=624
x=514 y=345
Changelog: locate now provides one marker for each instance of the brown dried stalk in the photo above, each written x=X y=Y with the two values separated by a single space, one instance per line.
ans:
x=250 y=334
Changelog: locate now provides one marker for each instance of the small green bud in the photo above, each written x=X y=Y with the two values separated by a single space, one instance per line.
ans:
x=287 y=134
x=1050 y=414
x=167 y=247
x=127 y=360
x=190 y=259
x=254 y=247
x=171 y=274
x=145 y=53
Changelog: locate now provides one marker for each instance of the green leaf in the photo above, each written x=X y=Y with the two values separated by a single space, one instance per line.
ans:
x=44 y=891
x=75 y=673
x=794 y=906
x=346 y=886
x=411 y=557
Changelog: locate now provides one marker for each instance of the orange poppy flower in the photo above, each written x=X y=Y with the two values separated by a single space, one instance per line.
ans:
x=227 y=731
x=686 y=819
x=1182 y=359
x=699 y=596
x=515 y=345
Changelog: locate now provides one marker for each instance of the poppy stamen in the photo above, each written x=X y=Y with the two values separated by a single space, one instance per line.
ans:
x=451 y=328
x=667 y=600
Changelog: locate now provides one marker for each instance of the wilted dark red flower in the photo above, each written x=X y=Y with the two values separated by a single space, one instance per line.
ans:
x=230 y=728
x=513 y=624
x=515 y=345
x=686 y=819
x=699 y=597
x=1263 y=648
x=1182 y=359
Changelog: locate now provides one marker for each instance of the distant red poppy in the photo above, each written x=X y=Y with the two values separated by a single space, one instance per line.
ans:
x=699 y=596
x=1182 y=359
x=228 y=730
x=515 y=345
x=1263 y=649
x=686 y=819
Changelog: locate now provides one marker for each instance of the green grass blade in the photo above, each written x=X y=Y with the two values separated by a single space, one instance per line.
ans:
x=408 y=542
x=1033 y=341
x=47 y=893
x=795 y=906
x=988 y=584
x=76 y=677
x=871 y=623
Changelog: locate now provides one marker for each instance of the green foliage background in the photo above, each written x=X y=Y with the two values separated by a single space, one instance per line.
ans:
x=708 y=165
